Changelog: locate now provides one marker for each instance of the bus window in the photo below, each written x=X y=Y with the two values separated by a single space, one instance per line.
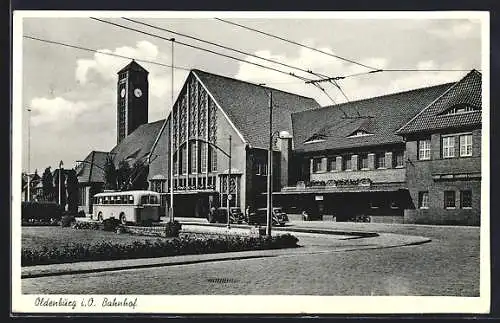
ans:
x=144 y=199
x=130 y=199
x=118 y=200
x=106 y=200
x=153 y=199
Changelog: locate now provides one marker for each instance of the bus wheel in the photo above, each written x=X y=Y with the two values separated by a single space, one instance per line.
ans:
x=123 y=220
x=99 y=216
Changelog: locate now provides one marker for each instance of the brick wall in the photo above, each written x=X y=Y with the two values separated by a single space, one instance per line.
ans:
x=420 y=178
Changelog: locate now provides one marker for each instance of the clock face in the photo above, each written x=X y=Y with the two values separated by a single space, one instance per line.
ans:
x=122 y=93
x=138 y=93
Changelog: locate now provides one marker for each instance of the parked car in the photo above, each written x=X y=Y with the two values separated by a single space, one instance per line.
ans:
x=260 y=216
x=220 y=215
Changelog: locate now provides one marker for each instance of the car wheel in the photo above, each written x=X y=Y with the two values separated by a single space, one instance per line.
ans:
x=99 y=216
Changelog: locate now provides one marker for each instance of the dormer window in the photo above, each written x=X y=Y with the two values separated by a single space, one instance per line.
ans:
x=459 y=109
x=359 y=133
x=315 y=138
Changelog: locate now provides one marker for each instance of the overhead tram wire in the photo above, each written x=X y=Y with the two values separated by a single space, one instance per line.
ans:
x=100 y=52
x=237 y=51
x=296 y=43
x=194 y=46
x=204 y=49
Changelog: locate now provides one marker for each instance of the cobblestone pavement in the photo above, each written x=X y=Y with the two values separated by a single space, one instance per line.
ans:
x=446 y=266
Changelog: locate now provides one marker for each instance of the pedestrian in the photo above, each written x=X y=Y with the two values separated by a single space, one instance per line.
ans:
x=305 y=216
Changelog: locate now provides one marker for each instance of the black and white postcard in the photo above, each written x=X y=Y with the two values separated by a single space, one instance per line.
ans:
x=250 y=162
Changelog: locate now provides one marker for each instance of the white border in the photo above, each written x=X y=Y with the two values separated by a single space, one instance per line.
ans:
x=260 y=304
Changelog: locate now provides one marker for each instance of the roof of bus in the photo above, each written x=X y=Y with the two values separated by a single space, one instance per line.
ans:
x=137 y=192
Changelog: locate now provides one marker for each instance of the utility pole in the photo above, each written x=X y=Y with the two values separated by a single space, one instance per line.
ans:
x=29 y=154
x=171 y=208
x=229 y=186
x=270 y=169
x=60 y=170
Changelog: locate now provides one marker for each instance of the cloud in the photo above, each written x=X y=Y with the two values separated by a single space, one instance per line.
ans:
x=46 y=110
x=459 y=29
x=107 y=66
x=318 y=63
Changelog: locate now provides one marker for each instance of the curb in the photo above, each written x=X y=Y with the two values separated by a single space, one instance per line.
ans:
x=363 y=234
x=139 y=266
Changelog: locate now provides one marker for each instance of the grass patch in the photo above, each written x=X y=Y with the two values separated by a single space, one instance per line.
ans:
x=46 y=245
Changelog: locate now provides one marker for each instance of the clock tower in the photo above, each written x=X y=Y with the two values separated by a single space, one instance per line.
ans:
x=132 y=102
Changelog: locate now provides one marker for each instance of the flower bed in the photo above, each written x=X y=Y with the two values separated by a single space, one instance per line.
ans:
x=184 y=245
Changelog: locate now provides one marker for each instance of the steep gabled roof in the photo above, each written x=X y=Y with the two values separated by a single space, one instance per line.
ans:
x=90 y=170
x=138 y=144
x=380 y=116
x=247 y=106
x=133 y=66
x=466 y=91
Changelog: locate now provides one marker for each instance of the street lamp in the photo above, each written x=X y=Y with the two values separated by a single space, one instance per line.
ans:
x=60 y=169
x=270 y=169
x=29 y=154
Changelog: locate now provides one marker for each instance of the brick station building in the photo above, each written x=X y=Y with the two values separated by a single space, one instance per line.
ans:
x=409 y=157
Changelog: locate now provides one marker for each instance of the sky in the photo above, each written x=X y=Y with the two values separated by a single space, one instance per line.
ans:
x=72 y=93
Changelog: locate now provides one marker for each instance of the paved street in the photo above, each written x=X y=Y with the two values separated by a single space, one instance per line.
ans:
x=448 y=265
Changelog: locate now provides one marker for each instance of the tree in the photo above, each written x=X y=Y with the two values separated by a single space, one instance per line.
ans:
x=139 y=176
x=47 y=184
x=123 y=175
x=72 y=191
x=110 y=174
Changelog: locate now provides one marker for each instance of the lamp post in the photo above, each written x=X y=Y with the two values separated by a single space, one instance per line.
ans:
x=29 y=154
x=171 y=184
x=60 y=169
x=229 y=197
x=270 y=169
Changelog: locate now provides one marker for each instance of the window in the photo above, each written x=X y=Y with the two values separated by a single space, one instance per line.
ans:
x=203 y=158
x=424 y=149
x=380 y=160
x=423 y=200
x=364 y=161
x=213 y=159
x=176 y=166
x=359 y=133
x=183 y=160
x=448 y=147
x=449 y=199
x=398 y=159
x=332 y=164
x=466 y=199
x=347 y=162
x=461 y=108
x=130 y=199
x=316 y=165
x=465 y=145
x=263 y=168
x=192 y=158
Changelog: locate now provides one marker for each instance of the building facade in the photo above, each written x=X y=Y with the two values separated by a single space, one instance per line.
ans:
x=409 y=157
x=443 y=144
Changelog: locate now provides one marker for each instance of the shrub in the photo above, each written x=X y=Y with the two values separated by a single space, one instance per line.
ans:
x=67 y=220
x=172 y=229
x=110 y=224
x=81 y=214
x=40 y=212
x=105 y=250
x=87 y=226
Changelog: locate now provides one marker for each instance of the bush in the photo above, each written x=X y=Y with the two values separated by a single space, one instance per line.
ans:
x=67 y=220
x=110 y=224
x=172 y=229
x=105 y=250
x=81 y=214
x=87 y=226
x=40 y=212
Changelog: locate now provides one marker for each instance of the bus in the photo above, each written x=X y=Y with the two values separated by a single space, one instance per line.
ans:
x=128 y=206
